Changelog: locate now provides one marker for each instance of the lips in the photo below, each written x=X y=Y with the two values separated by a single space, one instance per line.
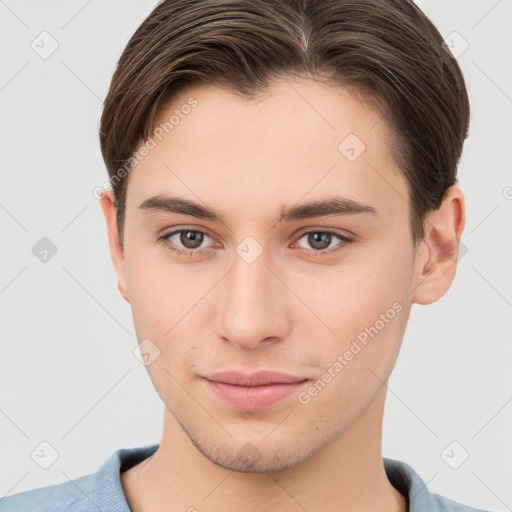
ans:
x=253 y=391
x=260 y=378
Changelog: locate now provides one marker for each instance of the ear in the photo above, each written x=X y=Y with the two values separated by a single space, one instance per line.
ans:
x=437 y=254
x=116 y=251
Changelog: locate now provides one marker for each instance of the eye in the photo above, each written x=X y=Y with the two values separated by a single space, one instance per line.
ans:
x=321 y=241
x=190 y=240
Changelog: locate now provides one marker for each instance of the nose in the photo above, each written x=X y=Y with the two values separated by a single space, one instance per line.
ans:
x=253 y=305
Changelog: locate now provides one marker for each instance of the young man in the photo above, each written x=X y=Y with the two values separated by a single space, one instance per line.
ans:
x=283 y=190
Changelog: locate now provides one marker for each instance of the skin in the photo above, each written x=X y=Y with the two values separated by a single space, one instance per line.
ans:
x=289 y=310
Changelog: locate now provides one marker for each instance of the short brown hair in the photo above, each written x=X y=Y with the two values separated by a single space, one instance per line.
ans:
x=387 y=48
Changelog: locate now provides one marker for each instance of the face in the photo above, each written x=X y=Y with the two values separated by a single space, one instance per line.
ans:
x=322 y=294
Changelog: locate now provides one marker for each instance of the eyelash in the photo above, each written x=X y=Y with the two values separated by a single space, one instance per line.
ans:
x=165 y=239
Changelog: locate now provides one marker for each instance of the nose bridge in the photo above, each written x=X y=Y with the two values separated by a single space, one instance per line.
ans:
x=251 y=311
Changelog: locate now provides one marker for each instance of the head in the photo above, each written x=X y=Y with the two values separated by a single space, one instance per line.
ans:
x=245 y=124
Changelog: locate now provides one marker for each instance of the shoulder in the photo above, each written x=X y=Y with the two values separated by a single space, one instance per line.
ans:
x=444 y=504
x=410 y=484
x=72 y=495
x=90 y=493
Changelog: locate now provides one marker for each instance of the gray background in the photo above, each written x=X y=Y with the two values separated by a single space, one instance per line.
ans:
x=68 y=373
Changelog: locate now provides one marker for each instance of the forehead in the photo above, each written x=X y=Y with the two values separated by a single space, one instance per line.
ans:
x=300 y=111
x=297 y=138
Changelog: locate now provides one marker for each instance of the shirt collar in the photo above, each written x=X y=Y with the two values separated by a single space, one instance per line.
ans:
x=108 y=492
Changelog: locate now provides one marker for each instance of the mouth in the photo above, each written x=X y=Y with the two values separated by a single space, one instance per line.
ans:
x=253 y=391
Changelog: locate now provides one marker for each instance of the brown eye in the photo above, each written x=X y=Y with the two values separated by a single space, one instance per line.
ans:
x=184 y=240
x=320 y=241
x=191 y=239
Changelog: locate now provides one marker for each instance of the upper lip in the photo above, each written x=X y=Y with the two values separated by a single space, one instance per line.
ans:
x=254 y=379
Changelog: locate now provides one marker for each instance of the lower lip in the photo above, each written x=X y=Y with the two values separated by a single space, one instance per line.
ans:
x=253 y=397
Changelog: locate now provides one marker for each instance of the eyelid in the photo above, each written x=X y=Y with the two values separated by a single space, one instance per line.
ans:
x=344 y=238
x=300 y=233
x=166 y=235
x=334 y=231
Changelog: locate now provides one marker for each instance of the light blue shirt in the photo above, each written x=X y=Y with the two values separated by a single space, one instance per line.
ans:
x=102 y=491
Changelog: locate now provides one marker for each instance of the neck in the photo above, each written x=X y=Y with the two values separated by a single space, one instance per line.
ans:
x=346 y=474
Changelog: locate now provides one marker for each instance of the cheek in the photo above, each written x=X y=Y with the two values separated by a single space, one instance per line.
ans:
x=369 y=324
x=166 y=300
x=152 y=294
x=366 y=304
x=349 y=298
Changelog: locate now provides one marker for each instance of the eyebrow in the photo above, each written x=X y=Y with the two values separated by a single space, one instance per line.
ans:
x=333 y=206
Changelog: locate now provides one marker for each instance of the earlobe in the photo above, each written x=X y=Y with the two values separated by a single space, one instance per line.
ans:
x=437 y=259
x=107 y=202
